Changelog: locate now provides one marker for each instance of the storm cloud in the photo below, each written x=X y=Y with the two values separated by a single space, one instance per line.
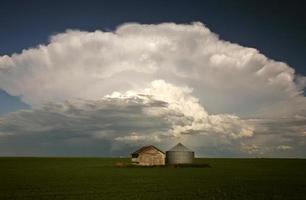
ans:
x=158 y=114
x=150 y=83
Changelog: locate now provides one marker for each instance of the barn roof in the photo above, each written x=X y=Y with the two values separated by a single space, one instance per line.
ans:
x=179 y=147
x=142 y=149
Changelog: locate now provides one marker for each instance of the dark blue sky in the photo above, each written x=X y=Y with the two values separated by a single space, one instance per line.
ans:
x=275 y=28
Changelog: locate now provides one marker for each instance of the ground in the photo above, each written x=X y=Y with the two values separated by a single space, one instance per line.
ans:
x=102 y=178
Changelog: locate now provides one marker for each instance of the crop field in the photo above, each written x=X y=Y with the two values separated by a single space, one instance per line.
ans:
x=104 y=178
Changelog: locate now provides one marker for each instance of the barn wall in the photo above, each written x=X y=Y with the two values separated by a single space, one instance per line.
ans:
x=151 y=157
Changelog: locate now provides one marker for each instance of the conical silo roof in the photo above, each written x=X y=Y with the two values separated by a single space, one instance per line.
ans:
x=179 y=147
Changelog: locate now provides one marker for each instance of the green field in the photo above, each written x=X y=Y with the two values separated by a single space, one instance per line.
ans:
x=98 y=178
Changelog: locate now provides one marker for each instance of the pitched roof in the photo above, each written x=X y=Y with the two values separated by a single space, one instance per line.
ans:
x=179 y=147
x=142 y=149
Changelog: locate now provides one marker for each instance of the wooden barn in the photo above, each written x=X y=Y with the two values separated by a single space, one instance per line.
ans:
x=148 y=155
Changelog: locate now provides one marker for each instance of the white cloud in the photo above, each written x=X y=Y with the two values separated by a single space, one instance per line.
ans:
x=163 y=109
x=159 y=114
x=189 y=115
x=226 y=77
x=233 y=83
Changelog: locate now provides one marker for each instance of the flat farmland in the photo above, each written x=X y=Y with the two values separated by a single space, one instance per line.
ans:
x=101 y=178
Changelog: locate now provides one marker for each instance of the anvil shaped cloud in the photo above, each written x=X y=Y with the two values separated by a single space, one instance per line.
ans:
x=226 y=77
x=116 y=72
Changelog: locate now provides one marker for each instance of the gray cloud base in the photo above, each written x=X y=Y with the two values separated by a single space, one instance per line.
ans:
x=122 y=120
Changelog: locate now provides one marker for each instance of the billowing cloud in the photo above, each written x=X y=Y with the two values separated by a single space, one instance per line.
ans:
x=166 y=73
x=226 y=77
x=156 y=114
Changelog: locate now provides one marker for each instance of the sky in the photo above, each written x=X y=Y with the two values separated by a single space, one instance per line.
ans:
x=102 y=78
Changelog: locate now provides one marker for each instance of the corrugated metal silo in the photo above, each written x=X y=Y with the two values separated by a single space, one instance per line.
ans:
x=179 y=154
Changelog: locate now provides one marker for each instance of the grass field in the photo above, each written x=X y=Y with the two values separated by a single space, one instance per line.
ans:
x=98 y=178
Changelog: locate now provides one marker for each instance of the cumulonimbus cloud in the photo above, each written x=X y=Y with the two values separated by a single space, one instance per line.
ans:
x=226 y=77
x=199 y=70
x=160 y=111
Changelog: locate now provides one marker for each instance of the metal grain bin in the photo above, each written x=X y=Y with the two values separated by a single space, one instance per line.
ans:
x=179 y=154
